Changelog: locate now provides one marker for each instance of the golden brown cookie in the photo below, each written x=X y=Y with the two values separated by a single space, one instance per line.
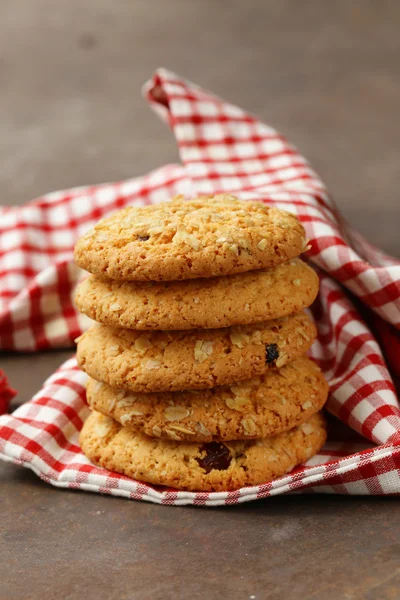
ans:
x=213 y=466
x=185 y=239
x=256 y=408
x=244 y=298
x=159 y=361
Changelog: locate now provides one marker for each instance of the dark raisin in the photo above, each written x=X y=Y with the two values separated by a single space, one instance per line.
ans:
x=143 y=238
x=216 y=456
x=271 y=353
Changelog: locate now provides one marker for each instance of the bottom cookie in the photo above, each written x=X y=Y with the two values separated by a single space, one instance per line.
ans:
x=209 y=467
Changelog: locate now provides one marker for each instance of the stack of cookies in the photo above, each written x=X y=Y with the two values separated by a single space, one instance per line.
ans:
x=197 y=366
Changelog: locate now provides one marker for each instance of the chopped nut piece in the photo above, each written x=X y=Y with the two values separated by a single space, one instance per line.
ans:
x=283 y=224
x=157 y=431
x=249 y=426
x=303 y=334
x=239 y=339
x=200 y=428
x=307 y=428
x=101 y=237
x=240 y=390
x=244 y=243
x=115 y=307
x=142 y=343
x=257 y=337
x=126 y=402
x=239 y=404
x=181 y=429
x=307 y=405
x=234 y=249
x=296 y=282
x=153 y=363
x=193 y=241
x=104 y=426
x=176 y=413
x=127 y=223
x=127 y=416
x=182 y=235
x=281 y=398
x=283 y=357
x=173 y=434
x=202 y=350
x=262 y=244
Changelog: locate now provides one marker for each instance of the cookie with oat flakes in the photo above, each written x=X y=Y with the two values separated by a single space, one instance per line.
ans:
x=155 y=361
x=244 y=298
x=256 y=408
x=208 y=467
x=206 y=237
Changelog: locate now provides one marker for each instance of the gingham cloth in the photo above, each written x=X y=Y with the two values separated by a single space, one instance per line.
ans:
x=222 y=149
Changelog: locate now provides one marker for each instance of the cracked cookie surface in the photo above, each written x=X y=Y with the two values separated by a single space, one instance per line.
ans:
x=194 y=359
x=213 y=466
x=184 y=239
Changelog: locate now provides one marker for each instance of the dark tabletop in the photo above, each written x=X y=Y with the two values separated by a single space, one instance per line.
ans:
x=327 y=75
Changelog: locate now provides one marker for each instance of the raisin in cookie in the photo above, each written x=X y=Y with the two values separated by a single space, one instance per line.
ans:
x=216 y=302
x=159 y=361
x=209 y=467
x=256 y=408
x=206 y=237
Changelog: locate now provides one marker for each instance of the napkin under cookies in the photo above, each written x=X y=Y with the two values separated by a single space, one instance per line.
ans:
x=222 y=150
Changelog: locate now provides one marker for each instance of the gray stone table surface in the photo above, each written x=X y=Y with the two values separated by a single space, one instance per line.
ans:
x=327 y=75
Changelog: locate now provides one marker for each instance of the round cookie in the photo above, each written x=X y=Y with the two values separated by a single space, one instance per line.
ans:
x=244 y=298
x=184 y=239
x=210 y=467
x=160 y=361
x=256 y=408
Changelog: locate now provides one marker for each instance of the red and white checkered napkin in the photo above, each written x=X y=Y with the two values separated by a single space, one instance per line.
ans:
x=222 y=149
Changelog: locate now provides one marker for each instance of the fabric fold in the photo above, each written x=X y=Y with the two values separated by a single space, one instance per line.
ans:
x=222 y=149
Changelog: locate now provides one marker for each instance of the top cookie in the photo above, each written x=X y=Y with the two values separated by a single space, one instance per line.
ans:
x=206 y=237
